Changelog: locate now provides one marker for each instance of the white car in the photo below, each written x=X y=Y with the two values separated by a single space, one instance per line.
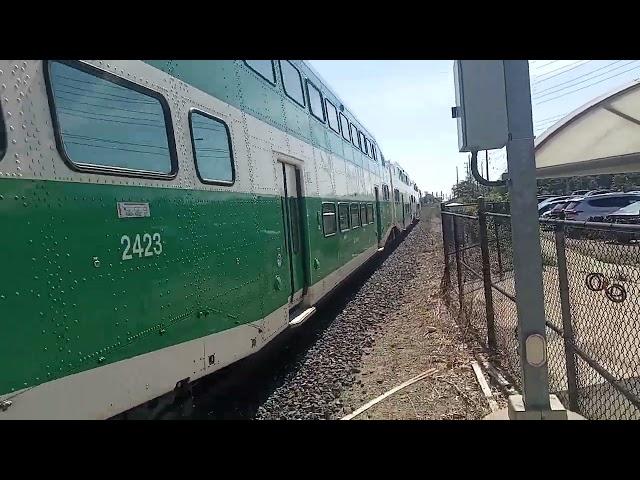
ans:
x=596 y=207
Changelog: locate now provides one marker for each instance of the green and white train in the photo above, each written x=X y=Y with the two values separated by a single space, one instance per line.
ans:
x=164 y=219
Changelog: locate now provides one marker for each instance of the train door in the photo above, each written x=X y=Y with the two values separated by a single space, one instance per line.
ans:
x=378 y=221
x=404 y=208
x=292 y=200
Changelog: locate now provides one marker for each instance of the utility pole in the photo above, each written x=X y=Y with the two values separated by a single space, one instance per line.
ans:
x=527 y=257
x=479 y=91
x=486 y=170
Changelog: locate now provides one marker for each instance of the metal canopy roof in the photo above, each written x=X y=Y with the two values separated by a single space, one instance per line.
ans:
x=602 y=136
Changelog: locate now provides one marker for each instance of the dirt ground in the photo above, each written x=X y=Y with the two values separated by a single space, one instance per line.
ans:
x=421 y=335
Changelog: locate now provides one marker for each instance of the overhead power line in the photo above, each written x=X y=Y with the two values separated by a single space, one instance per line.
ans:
x=587 y=86
x=585 y=80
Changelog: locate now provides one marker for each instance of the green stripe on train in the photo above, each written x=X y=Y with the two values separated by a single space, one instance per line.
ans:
x=208 y=262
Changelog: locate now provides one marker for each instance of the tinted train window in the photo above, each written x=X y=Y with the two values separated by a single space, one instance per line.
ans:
x=363 y=142
x=3 y=136
x=264 y=68
x=295 y=225
x=343 y=216
x=355 y=136
x=363 y=214
x=374 y=152
x=370 y=212
x=329 y=224
x=315 y=101
x=105 y=123
x=344 y=123
x=332 y=116
x=355 y=215
x=211 y=148
x=292 y=81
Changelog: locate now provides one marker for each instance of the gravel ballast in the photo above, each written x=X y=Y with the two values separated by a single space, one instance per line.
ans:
x=337 y=373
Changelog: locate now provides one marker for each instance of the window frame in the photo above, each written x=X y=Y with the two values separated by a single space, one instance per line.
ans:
x=284 y=85
x=312 y=85
x=362 y=141
x=326 y=108
x=104 y=169
x=351 y=205
x=344 y=204
x=3 y=136
x=193 y=149
x=322 y=213
x=340 y=117
x=370 y=207
x=273 y=69
x=352 y=127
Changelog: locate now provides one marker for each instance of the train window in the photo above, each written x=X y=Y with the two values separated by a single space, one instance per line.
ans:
x=355 y=136
x=329 y=224
x=315 y=101
x=343 y=216
x=211 y=145
x=374 y=152
x=344 y=124
x=106 y=124
x=355 y=215
x=370 y=212
x=396 y=194
x=363 y=214
x=295 y=225
x=264 y=68
x=292 y=81
x=3 y=136
x=363 y=143
x=332 y=116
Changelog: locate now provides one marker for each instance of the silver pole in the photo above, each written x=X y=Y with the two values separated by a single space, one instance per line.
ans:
x=527 y=258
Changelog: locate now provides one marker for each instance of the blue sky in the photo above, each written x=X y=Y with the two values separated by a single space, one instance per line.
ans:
x=407 y=104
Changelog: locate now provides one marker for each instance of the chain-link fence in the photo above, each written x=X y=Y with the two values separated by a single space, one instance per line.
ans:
x=591 y=276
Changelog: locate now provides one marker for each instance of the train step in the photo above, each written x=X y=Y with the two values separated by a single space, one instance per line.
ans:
x=301 y=317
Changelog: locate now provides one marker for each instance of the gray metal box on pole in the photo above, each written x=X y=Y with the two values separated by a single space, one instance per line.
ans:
x=481 y=108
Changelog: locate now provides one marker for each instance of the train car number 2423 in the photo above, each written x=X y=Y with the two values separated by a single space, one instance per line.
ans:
x=145 y=245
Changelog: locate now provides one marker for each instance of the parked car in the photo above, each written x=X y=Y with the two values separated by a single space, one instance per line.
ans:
x=555 y=205
x=545 y=205
x=629 y=215
x=557 y=208
x=596 y=207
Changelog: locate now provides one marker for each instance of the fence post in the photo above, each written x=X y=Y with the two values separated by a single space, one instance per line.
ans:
x=498 y=248
x=567 y=324
x=486 y=275
x=458 y=263
x=445 y=239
